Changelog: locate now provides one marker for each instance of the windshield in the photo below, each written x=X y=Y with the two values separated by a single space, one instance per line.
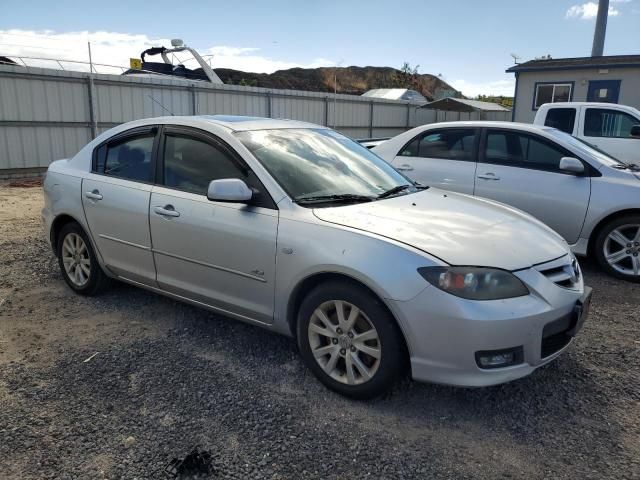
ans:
x=319 y=163
x=585 y=147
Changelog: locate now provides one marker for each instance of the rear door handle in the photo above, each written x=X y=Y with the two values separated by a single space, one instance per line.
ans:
x=166 y=211
x=404 y=168
x=93 y=195
x=489 y=176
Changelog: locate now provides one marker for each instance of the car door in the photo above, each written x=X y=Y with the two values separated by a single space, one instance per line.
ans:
x=220 y=254
x=522 y=170
x=115 y=197
x=610 y=130
x=443 y=158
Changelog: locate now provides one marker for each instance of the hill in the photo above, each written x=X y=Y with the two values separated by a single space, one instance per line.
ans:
x=350 y=80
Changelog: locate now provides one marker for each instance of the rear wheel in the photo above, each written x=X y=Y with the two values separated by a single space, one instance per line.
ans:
x=78 y=263
x=618 y=248
x=349 y=340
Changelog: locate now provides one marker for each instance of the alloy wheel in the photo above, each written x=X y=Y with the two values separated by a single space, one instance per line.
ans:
x=75 y=258
x=344 y=342
x=622 y=249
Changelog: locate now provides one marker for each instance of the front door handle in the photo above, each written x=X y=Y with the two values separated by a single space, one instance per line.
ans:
x=93 y=195
x=489 y=176
x=166 y=211
x=404 y=168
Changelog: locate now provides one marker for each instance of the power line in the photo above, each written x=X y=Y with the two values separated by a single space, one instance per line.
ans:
x=35 y=35
x=27 y=46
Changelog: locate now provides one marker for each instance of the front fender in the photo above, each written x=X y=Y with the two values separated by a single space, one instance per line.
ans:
x=307 y=249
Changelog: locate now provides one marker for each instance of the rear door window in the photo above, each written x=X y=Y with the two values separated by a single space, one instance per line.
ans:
x=561 y=118
x=129 y=158
x=447 y=144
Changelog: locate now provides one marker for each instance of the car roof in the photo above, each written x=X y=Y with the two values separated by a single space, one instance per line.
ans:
x=583 y=104
x=235 y=123
x=485 y=123
x=239 y=123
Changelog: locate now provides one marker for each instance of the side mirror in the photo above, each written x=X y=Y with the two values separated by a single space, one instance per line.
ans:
x=635 y=131
x=229 y=190
x=570 y=164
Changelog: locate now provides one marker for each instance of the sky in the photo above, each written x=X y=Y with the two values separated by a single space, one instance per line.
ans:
x=468 y=42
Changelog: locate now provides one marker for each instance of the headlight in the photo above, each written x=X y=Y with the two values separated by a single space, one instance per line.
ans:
x=475 y=283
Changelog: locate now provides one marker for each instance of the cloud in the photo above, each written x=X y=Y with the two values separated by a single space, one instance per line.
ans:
x=495 y=87
x=589 y=10
x=113 y=48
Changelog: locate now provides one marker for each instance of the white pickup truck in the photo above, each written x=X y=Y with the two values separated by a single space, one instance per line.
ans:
x=610 y=127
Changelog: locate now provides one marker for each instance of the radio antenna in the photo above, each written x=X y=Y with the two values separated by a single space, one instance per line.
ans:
x=161 y=106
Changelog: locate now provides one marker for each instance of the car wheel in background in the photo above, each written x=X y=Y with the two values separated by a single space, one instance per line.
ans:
x=617 y=248
x=349 y=340
x=78 y=262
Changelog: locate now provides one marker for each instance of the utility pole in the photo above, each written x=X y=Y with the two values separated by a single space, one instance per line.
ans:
x=90 y=59
x=601 y=29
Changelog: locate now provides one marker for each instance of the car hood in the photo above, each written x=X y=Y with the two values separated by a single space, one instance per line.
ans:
x=456 y=228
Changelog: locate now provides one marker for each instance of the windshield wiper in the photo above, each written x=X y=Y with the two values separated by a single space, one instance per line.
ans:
x=335 y=198
x=394 y=190
x=628 y=166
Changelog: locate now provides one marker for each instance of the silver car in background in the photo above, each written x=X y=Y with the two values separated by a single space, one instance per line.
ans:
x=587 y=196
x=300 y=230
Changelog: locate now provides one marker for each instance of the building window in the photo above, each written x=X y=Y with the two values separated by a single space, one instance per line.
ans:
x=552 y=93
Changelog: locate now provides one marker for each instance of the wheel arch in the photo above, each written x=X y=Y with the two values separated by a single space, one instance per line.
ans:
x=603 y=221
x=308 y=283
x=56 y=226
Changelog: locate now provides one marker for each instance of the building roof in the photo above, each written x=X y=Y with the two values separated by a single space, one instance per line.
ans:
x=611 y=61
x=396 y=94
x=466 y=105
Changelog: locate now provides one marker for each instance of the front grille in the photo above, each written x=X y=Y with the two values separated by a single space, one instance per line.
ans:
x=555 y=335
x=562 y=271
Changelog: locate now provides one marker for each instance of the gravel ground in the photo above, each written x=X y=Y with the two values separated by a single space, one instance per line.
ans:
x=168 y=376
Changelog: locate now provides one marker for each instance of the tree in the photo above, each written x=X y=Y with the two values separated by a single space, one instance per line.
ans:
x=406 y=78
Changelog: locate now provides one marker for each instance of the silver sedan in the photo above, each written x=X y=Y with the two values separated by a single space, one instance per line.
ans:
x=590 y=198
x=300 y=230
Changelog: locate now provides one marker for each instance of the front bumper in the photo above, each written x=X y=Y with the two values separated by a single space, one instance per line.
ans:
x=445 y=332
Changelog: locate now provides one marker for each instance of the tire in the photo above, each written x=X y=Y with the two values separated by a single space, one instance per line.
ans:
x=620 y=258
x=341 y=350
x=78 y=263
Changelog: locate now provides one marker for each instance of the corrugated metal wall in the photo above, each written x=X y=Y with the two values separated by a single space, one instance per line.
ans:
x=49 y=114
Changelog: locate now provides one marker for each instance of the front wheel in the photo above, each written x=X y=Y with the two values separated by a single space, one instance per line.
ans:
x=349 y=340
x=618 y=248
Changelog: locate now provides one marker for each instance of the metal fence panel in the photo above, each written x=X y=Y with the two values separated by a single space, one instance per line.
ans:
x=35 y=99
x=308 y=110
x=32 y=147
x=348 y=114
x=210 y=102
x=47 y=114
x=355 y=132
x=423 y=116
x=393 y=115
x=119 y=103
